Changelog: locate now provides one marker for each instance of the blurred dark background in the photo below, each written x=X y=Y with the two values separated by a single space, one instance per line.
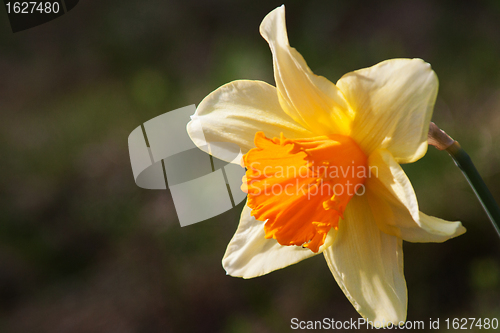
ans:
x=83 y=249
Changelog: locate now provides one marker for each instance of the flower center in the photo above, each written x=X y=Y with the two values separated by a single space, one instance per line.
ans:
x=302 y=187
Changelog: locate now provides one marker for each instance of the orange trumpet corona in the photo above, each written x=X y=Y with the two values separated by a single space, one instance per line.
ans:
x=302 y=187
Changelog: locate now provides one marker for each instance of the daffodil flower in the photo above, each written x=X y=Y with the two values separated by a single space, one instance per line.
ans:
x=372 y=119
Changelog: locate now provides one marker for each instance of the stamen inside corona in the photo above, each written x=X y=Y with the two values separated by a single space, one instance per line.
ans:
x=302 y=187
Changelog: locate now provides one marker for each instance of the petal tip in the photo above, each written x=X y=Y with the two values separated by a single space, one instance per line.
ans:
x=271 y=21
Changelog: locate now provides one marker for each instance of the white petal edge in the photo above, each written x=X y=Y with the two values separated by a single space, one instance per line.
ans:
x=393 y=103
x=249 y=254
x=395 y=207
x=234 y=113
x=368 y=266
x=309 y=99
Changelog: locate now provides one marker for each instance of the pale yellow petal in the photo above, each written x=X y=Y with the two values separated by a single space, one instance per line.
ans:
x=393 y=103
x=368 y=266
x=395 y=207
x=235 y=112
x=250 y=255
x=310 y=100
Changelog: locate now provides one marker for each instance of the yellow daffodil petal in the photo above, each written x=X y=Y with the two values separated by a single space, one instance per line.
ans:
x=310 y=100
x=394 y=204
x=250 y=254
x=236 y=111
x=368 y=266
x=393 y=103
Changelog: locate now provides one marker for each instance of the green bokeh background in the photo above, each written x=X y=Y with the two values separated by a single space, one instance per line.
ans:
x=83 y=249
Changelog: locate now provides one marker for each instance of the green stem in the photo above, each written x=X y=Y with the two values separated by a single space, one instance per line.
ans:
x=464 y=162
